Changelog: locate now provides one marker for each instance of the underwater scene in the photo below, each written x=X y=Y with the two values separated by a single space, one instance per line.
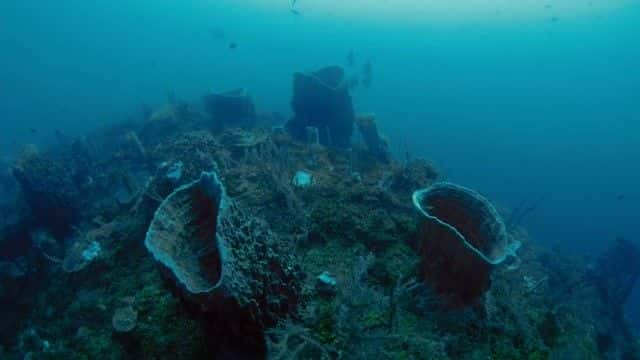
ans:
x=320 y=179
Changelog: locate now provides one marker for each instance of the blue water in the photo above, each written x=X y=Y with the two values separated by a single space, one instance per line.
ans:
x=516 y=100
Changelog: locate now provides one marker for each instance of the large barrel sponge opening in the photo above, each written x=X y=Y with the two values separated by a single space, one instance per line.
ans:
x=182 y=235
x=461 y=237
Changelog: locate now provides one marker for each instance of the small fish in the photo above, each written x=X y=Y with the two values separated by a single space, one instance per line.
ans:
x=33 y=130
x=548 y=6
x=217 y=34
x=554 y=19
x=367 y=74
x=233 y=46
x=145 y=111
x=353 y=82
x=351 y=58
x=171 y=96
x=620 y=197
x=292 y=8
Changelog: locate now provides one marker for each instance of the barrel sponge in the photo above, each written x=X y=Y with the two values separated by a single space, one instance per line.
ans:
x=183 y=235
x=220 y=256
x=461 y=238
x=321 y=99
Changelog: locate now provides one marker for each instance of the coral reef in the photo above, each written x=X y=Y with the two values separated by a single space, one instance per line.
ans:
x=163 y=262
x=415 y=174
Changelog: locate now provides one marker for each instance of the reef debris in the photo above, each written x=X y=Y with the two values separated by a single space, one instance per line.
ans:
x=313 y=135
x=376 y=145
x=302 y=179
x=80 y=254
x=326 y=284
x=415 y=174
x=174 y=172
x=232 y=108
x=367 y=74
x=616 y=272
x=124 y=319
x=49 y=189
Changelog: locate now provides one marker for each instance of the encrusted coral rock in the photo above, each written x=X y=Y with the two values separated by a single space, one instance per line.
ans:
x=616 y=272
x=163 y=123
x=376 y=145
x=230 y=108
x=415 y=174
x=302 y=179
x=241 y=142
x=326 y=284
x=48 y=188
x=174 y=172
x=124 y=319
x=193 y=150
x=8 y=185
x=80 y=254
x=461 y=238
x=220 y=258
x=321 y=99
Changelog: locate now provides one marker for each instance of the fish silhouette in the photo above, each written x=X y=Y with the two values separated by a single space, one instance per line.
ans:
x=367 y=74
x=351 y=58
